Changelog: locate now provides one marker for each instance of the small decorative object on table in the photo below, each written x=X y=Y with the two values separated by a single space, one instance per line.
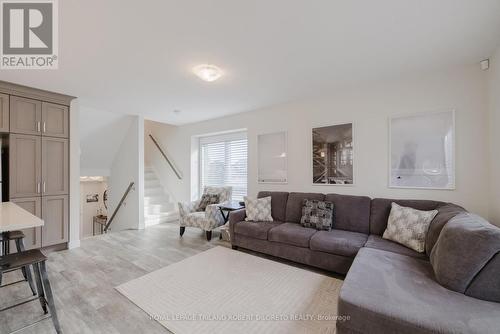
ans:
x=100 y=221
x=225 y=209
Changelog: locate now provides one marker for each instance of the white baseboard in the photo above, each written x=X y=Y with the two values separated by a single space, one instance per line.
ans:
x=73 y=244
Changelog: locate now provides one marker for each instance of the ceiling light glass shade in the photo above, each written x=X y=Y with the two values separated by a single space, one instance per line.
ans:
x=207 y=72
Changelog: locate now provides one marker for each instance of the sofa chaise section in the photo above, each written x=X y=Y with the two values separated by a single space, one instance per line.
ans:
x=387 y=293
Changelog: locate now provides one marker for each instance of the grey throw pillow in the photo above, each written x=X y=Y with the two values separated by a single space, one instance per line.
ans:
x=207 y=199
x=408 y=226
x=258 y=209
x=317 y=214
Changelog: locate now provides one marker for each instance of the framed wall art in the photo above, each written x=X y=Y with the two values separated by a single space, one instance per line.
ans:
x=272 y=157
x=422 y=151
x=333 y=155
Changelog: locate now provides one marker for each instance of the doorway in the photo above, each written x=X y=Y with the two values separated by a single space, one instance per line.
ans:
x=93 y=205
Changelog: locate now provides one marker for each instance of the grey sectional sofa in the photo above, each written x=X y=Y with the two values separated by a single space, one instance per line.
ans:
x=390 y=288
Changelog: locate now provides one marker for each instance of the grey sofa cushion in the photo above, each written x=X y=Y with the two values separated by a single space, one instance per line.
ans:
x=385 y=293
x=466 y=245
x=445 y=213
x=291 y=234
x=381 y=208
x=338 y=242
x=331 y=262
x=374 y=241
x=486 y=284
x=257 y=230
x=352 y=213
x=294 y=205
x=278 y=203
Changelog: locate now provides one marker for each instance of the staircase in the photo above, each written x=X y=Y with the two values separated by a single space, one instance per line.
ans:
x=158 y=206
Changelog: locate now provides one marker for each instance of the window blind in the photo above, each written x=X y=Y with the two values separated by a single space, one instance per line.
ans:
x=223 y=162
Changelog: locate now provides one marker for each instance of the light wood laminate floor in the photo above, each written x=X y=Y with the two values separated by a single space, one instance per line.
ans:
x=83 y=281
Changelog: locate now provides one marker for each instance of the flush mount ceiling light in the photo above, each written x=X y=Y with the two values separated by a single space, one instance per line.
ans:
x=207 y=72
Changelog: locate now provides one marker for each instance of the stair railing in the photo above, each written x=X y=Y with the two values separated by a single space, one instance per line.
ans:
x=169 y=161
x=108 y=223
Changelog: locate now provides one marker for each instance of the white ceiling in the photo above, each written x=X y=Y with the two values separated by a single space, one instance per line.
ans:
x=135 y=57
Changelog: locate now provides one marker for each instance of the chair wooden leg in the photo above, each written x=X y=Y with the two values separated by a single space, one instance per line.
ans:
x=209 y=235
x=50 y=297
x=5 y=246
x=39 y=285
x=182 y=230
x=26 y=270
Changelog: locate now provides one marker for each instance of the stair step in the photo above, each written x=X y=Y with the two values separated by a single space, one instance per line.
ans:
x=148 y=200
x=152 y=183
x=162 y=215
x=159 y=208
x=156 y=191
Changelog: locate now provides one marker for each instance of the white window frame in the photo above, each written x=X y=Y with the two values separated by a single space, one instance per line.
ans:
x=216 y=138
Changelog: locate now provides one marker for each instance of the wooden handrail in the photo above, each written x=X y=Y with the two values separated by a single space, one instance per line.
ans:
x=118 y=207
x=176 y=171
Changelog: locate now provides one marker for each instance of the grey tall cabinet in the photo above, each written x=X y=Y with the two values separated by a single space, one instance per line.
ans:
x=36 y=124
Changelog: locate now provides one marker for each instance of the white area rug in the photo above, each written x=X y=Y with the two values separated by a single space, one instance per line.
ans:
x=226 y=291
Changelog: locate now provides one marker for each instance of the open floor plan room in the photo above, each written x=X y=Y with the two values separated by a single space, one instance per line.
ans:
x=250 y=167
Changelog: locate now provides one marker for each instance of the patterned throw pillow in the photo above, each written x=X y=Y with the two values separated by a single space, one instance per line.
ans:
x=317 y=214
x=258 y=209
x=207 y=199
x=408 y=226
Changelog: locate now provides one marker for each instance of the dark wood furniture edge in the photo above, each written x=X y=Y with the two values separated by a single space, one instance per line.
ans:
x=54 y=248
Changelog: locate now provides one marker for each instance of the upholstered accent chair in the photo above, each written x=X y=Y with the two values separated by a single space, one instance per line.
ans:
x=207 y=220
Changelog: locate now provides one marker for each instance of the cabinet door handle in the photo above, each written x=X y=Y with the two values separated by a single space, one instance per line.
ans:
x=38 y=187
x=43 y=187
x=38 y=126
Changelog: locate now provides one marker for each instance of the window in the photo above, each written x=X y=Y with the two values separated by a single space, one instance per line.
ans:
x=223 y=162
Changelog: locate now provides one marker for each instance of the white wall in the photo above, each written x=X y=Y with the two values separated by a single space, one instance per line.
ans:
x=369 y=107
x=128 y=166
x=494 y=121
x=154 y=159
x=89 y=209
x=74 y=173
x=101 y=134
